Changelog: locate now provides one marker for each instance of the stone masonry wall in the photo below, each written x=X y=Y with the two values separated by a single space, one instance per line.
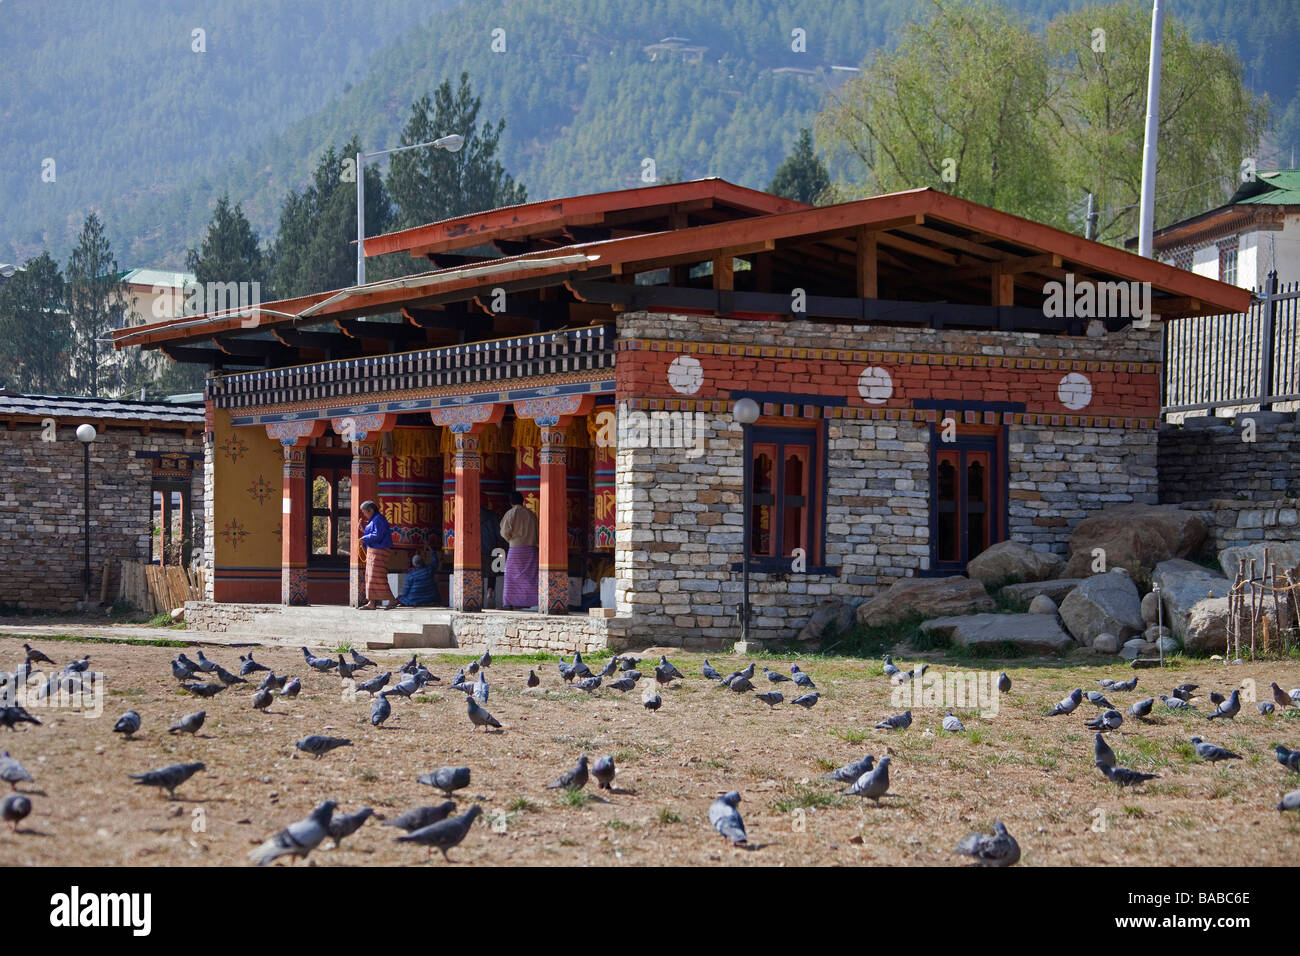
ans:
x=679 y=513
x=41 y=510
x=1206 y=459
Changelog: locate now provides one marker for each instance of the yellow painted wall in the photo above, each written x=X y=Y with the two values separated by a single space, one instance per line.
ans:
x=248 y=472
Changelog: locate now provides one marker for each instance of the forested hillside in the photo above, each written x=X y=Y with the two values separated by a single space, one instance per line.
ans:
x=151 y=133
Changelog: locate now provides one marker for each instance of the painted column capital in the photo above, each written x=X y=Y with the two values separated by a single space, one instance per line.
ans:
x=299 y=433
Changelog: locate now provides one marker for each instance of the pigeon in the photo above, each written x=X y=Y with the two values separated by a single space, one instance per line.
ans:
x=1106 y=683
x=890 y=667
x=953 y=724
x=1067 y=704
x=1184 y=691
x=380 y=711
x=651 y=699
x=1290 y=802
x=902 y=677
x=1229 y=708
x=1106 y=720
x=1094 y=697
x=726 y=818
x=996 y=849
x=1281 y=697
x=807 y=700
x=127 y=724
x=465 y=687
x=1212 y=753
x=629 y=663
x=15 y=714
x=897 y=722
x=604 y=770
x=77 y=667
x=1265 y=707
x=1216 y=698
x=1142 y=708
x=1004 y=683
x=204 y=690
x=533 y=679
x=873 y=783
x=1124 y=686
x=771 y=698
x=633 y=676
x=405 y=687
x=773 y=676
x=168 y=777
x=566 y=670
x=249 y=666
x=1175 y=703
x=850 y=772
x=14 y=808
x=800 y=678
x=183 y=671
x=347 y=824
x=666 y=673
x=708 y=671
x=1288 y=758
x=187 y=662
x=486 y=660
x=189 y=724
x=271 y=682
x=319 y=663
x=318 y=745
x=205 y=665
x=262 y=700
x=446 y=834
x=578 y=668
x=36 y=657
x=473 y=668
x=575 y=778
x=227 y=678
x=479 y=717
x=291 y=688
x=1124 y=776
x=375 y=684
x=623 y=683
x=446 y=779
x=610 y=666
x=740 y=684
x=410 y=666
x=12 y=772
x=589 y=684
x=1102 y=753
x=297 y=839
x=345 y=669
x=481 y=689
x=421 y=817
x=360 y=660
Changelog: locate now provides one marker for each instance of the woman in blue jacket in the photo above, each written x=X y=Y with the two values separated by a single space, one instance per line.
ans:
x=377 y=537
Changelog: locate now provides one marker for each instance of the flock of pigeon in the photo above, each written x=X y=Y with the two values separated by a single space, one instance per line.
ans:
x=438 y=826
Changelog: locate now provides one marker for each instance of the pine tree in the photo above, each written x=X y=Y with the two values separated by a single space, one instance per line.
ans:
x=96 y=300
x=35 y=332
x=229 y=251
x=802 y=175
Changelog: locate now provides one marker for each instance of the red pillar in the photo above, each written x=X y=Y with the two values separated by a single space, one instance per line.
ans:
x=467 y=581
x=553 y=533
x=365 y=487
x=293 y=541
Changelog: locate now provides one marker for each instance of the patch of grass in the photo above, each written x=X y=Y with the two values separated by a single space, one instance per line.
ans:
x=1183 y=823
x=668 y=816
x=1136 y=812
x=366 y=775
x=851 y=735
x=565 y=841
x=801 y=796
x=715 y=764
x=622 y=825
x=626 y=755
x=827 y=765
x=343 y=648
x=75 y=639
x=976 y=735
x=1006 y=605
x=1186 y=751
x=877 y=641
x=159 y=620
x=521 y=805
x=573 y=797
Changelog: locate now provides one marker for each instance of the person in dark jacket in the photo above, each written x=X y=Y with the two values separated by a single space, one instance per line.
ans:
x=420 y=588
x=377 y=537
x=490 y=540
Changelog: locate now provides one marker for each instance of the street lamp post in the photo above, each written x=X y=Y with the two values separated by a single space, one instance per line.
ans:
x=86 y=435
x=451 y=144
x=745 y=412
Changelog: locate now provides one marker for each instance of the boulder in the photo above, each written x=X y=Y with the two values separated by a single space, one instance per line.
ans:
x=1103 y=604
x=836 y=614
x=1042 y=605
x=1150 y=608
x=1284 y=554
x=1207 y=626
x=928 y=597
x=178 y=615
x=1029 y=633
x=1155 y=632
x=1134 y=537
x=1011 y=561
x=1131 y=649
x=1182 y=584
x=1106 y=643
x=1167 y=645
x=1055 y=589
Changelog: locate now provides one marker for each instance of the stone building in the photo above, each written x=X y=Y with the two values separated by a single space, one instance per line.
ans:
x=146 y=493
x=928 y=376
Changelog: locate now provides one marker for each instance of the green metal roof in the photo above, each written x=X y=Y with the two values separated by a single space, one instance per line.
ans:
x=1275 y=187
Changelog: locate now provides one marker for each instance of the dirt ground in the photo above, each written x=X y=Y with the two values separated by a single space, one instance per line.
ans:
x=1034 y=773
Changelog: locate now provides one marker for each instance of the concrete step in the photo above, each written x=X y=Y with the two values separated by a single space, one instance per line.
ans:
x=430 y=635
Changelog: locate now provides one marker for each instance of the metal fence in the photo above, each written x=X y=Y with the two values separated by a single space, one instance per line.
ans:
x=1235 y=363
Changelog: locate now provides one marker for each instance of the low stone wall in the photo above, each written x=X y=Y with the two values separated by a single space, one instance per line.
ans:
x=531 y=633
x=1211 y=458
x=1234 y=523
